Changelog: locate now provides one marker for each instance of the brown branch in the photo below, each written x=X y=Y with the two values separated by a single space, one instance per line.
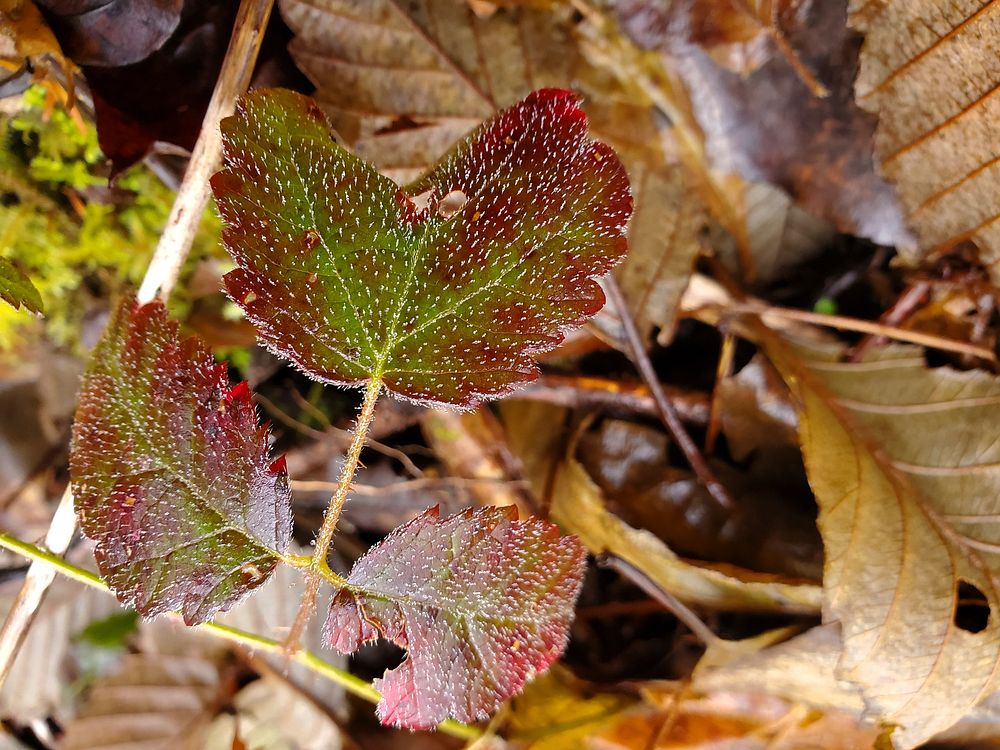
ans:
x=665 y=409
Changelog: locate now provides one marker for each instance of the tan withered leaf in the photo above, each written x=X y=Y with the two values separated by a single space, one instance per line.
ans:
x=931 y=70
x=152 y=700
x=667 y=219
x=402 y=82
x=905 y=465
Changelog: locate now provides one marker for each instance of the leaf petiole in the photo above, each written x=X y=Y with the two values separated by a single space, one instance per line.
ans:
x=318 y=568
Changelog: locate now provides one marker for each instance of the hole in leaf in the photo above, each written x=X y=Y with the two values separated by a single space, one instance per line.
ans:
x=972 y=610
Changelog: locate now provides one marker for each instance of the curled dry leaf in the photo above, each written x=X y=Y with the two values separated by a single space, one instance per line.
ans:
x=171 y=474
x=930 y=69
x=905 y=465
x=351 y=277
x=576 y=504
x=481 y=602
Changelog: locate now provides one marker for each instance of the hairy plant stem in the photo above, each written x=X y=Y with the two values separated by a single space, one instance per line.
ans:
x=318 y=568
x=351 y=683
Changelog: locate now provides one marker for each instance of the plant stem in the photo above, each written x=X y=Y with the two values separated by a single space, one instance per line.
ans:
x=352 y=683
x=318 y=568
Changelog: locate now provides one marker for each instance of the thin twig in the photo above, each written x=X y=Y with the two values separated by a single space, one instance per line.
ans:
x=670 y=602
x=352 y=683
x=723 y=371
x=613 y=395
x=909 y=301
x=668 y=414
x=192 y=197
x=770 y=314
x=344 y=436
x=160 y=275
x=36 y=584
x=408 y=485
x=318 y=567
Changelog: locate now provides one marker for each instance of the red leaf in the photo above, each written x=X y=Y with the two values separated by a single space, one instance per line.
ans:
x=444 y=288
x=171 y=473
x=480 y=600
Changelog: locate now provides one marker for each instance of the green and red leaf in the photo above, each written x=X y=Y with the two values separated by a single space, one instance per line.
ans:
x=171 y=473
x=481 y=602
x=444 y=288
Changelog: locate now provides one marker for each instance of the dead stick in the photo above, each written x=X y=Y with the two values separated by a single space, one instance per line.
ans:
x=192 y=197
x=667 y=413
x=161 y=275
x=667 y=600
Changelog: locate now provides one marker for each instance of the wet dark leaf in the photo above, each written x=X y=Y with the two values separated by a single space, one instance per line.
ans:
x=770 y=125
x=111 y=32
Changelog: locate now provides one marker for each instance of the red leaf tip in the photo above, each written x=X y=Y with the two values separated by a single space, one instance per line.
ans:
x=278 y=466
x=239 y=393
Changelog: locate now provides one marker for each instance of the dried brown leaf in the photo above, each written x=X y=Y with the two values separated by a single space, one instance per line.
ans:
x=930 y=69
x=770 y=126
x=536 y=435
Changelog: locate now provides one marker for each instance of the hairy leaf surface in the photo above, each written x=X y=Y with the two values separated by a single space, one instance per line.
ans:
x=905 y=465
x=171 y=472
x=443 y=288
x=480 y=600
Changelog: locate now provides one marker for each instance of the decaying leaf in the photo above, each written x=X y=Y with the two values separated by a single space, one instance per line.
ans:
x=16 y=288
x=906 y=473
x=35 y=688
x=480 y=601
x=801 y=669
x=171 y=473
x=771 y=529
x=666 y=225
x=769 y=126
x=402 y=83
x=931 y=71
x=352 y=278
x=153 y=700
x=112 y=33
x=535 y=432
x=270 y=714
x=558 y=712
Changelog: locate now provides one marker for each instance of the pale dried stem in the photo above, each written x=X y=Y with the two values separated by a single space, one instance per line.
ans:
x=161 y=275
x=36 y=583
x=318 y=567
x=192 y=197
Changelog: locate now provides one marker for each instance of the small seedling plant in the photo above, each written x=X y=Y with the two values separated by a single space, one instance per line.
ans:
x=439 y=292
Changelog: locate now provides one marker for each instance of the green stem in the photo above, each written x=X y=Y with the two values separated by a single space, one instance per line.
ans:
x=348 y=681
x=318 y=568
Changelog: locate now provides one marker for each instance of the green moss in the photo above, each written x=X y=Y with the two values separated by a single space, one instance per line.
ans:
x=79 y=243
